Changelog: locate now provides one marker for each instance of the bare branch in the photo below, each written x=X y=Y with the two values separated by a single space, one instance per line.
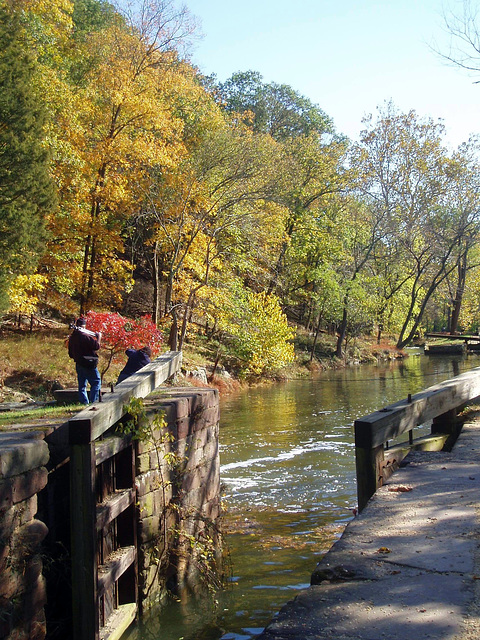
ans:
x=160 y=24
x=463 y=27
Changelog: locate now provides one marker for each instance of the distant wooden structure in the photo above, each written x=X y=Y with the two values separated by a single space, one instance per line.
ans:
x=464 y=342
x=103 y=522
x=375 y=462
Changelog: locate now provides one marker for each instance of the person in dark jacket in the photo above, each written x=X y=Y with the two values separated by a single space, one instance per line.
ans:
x=83 y=346
x=137 y=358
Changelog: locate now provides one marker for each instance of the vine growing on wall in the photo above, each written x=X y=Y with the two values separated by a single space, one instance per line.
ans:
x=202 y=550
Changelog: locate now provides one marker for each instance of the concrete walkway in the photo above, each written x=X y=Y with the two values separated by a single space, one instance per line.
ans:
x=408 y=567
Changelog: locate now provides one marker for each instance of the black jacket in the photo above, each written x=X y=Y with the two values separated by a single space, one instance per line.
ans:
x=83 y=348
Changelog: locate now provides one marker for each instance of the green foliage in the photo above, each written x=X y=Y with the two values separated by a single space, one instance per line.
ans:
x=143 y=427
x=26 y=188
x=277 y=109
x=92 y=15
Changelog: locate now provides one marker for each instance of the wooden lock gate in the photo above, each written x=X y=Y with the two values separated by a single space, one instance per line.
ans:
x=103 y=511
x=439 y=403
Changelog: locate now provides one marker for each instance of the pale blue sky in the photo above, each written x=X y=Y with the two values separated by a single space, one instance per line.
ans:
x=347 y=56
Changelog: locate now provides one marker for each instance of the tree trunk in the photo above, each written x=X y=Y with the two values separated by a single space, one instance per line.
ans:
x=156 y=314
x=457 y=303
x=317 y=331
x=278 y=270
x=86 y=256
x=186 y=318
x=173 y=337
x=379 y=333
x=168 y=294
x=342 y=331
x=215 y=364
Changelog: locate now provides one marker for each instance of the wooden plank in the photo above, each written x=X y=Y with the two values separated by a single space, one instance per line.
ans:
x=117 y=563
x=105 y=449
x=92 y=422
x=424 y=443
x=113 y=506
x=83 y=539
x=395 y=455
x=380 y=426
x=369 y=475
x=458 y=336
x=442 y=349
x=119 y=622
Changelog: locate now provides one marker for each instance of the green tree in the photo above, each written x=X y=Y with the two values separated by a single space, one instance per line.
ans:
x=26 y=189
x=277 y=109
x=424 y=199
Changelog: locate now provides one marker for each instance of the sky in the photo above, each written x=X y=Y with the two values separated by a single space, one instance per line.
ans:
x=347 y=56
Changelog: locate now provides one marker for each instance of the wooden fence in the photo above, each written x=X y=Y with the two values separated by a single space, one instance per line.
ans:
x=103 y=519
x=440 y=403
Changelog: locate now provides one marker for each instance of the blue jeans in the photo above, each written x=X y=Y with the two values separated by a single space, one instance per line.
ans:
x=92 y=376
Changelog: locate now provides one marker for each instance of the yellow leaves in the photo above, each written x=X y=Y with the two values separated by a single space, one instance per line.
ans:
x=258 y=329
x=24 y=293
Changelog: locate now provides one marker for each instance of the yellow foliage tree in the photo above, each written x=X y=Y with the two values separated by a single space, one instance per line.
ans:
x=24 y=293
x=257 y=333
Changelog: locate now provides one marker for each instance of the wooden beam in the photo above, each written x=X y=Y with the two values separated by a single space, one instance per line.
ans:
x=457 y=336
x=116 y=564
x=368 y=463
x=92 y=422
x=113 y=506
x=118 y=622
x=83 y=537
x=388 y=423
x=110 y=446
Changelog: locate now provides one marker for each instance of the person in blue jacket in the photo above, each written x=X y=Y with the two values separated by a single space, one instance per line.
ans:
x=137 y=358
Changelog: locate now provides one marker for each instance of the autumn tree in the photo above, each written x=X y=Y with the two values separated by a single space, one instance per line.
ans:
x=119 y=334
x=115 y=124
x=204 y=211
x=256 y=336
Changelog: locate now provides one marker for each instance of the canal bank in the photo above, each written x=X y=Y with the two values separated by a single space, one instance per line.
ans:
x=409 y=565
x=288 y=469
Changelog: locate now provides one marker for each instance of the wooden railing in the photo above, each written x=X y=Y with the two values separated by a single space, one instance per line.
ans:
x=103 y=519
x=440 y=403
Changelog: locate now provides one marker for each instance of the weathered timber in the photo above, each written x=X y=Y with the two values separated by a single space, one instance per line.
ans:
x=97 y=591
x=394 y=455
x=445 y=349
x=110 y=446
x=92 y=422
x=368 y=463
x=115 y=566
x=83 y=536
x=113 y=506
x=388 y=423
x=119 y=622
x=455 y=336
x=439 y=403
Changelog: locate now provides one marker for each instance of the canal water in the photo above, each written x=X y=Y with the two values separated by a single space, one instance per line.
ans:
x=288 y=469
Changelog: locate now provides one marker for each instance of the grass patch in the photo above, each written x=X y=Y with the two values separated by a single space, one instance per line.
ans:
x=25 y=415
x=32 y=363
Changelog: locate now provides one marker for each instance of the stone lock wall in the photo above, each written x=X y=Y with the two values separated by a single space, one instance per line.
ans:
x=23 y=456
x=178 y=507
x=178 y=487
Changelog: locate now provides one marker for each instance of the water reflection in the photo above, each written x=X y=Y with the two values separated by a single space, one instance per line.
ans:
x=288 y=466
